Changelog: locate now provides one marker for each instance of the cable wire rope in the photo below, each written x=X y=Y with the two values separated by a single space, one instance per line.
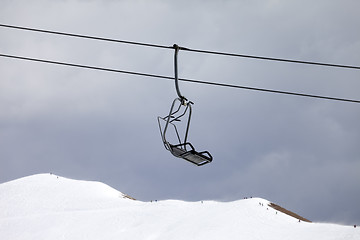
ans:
x=181 y=48
x=180 y=79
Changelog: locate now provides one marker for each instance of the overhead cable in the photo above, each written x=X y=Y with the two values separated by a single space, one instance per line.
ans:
x=181 y=48
x=86 y=36
x=180 y=79
x=273 y=59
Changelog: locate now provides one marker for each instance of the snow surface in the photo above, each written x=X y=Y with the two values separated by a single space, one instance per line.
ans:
x=46 y=206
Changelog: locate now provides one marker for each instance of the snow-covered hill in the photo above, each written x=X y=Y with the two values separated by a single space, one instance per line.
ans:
x=46 y=206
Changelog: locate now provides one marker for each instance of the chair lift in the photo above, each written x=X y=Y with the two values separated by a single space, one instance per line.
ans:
x=183 y=148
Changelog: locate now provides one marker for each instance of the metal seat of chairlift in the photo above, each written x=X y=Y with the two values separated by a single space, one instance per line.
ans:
x=197 y=158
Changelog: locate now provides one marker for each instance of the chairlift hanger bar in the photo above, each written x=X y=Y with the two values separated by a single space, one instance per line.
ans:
x=176 y=47
x=180 y=48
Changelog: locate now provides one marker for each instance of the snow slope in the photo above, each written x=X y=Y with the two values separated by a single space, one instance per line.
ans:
x=46 y=206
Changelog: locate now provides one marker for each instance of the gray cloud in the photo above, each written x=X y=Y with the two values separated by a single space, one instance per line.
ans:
x=301 y=153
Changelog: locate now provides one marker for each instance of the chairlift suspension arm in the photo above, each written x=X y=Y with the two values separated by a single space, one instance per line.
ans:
x=177 y=48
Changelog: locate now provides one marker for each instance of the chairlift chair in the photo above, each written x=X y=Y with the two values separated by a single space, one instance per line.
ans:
x=182 y=148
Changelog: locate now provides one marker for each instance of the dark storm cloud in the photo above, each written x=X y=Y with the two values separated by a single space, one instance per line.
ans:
x=299 y=152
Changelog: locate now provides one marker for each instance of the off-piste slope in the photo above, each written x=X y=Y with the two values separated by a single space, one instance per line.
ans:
x=46 y=206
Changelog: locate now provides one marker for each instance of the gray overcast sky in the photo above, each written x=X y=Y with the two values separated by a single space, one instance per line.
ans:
x=301 y=153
